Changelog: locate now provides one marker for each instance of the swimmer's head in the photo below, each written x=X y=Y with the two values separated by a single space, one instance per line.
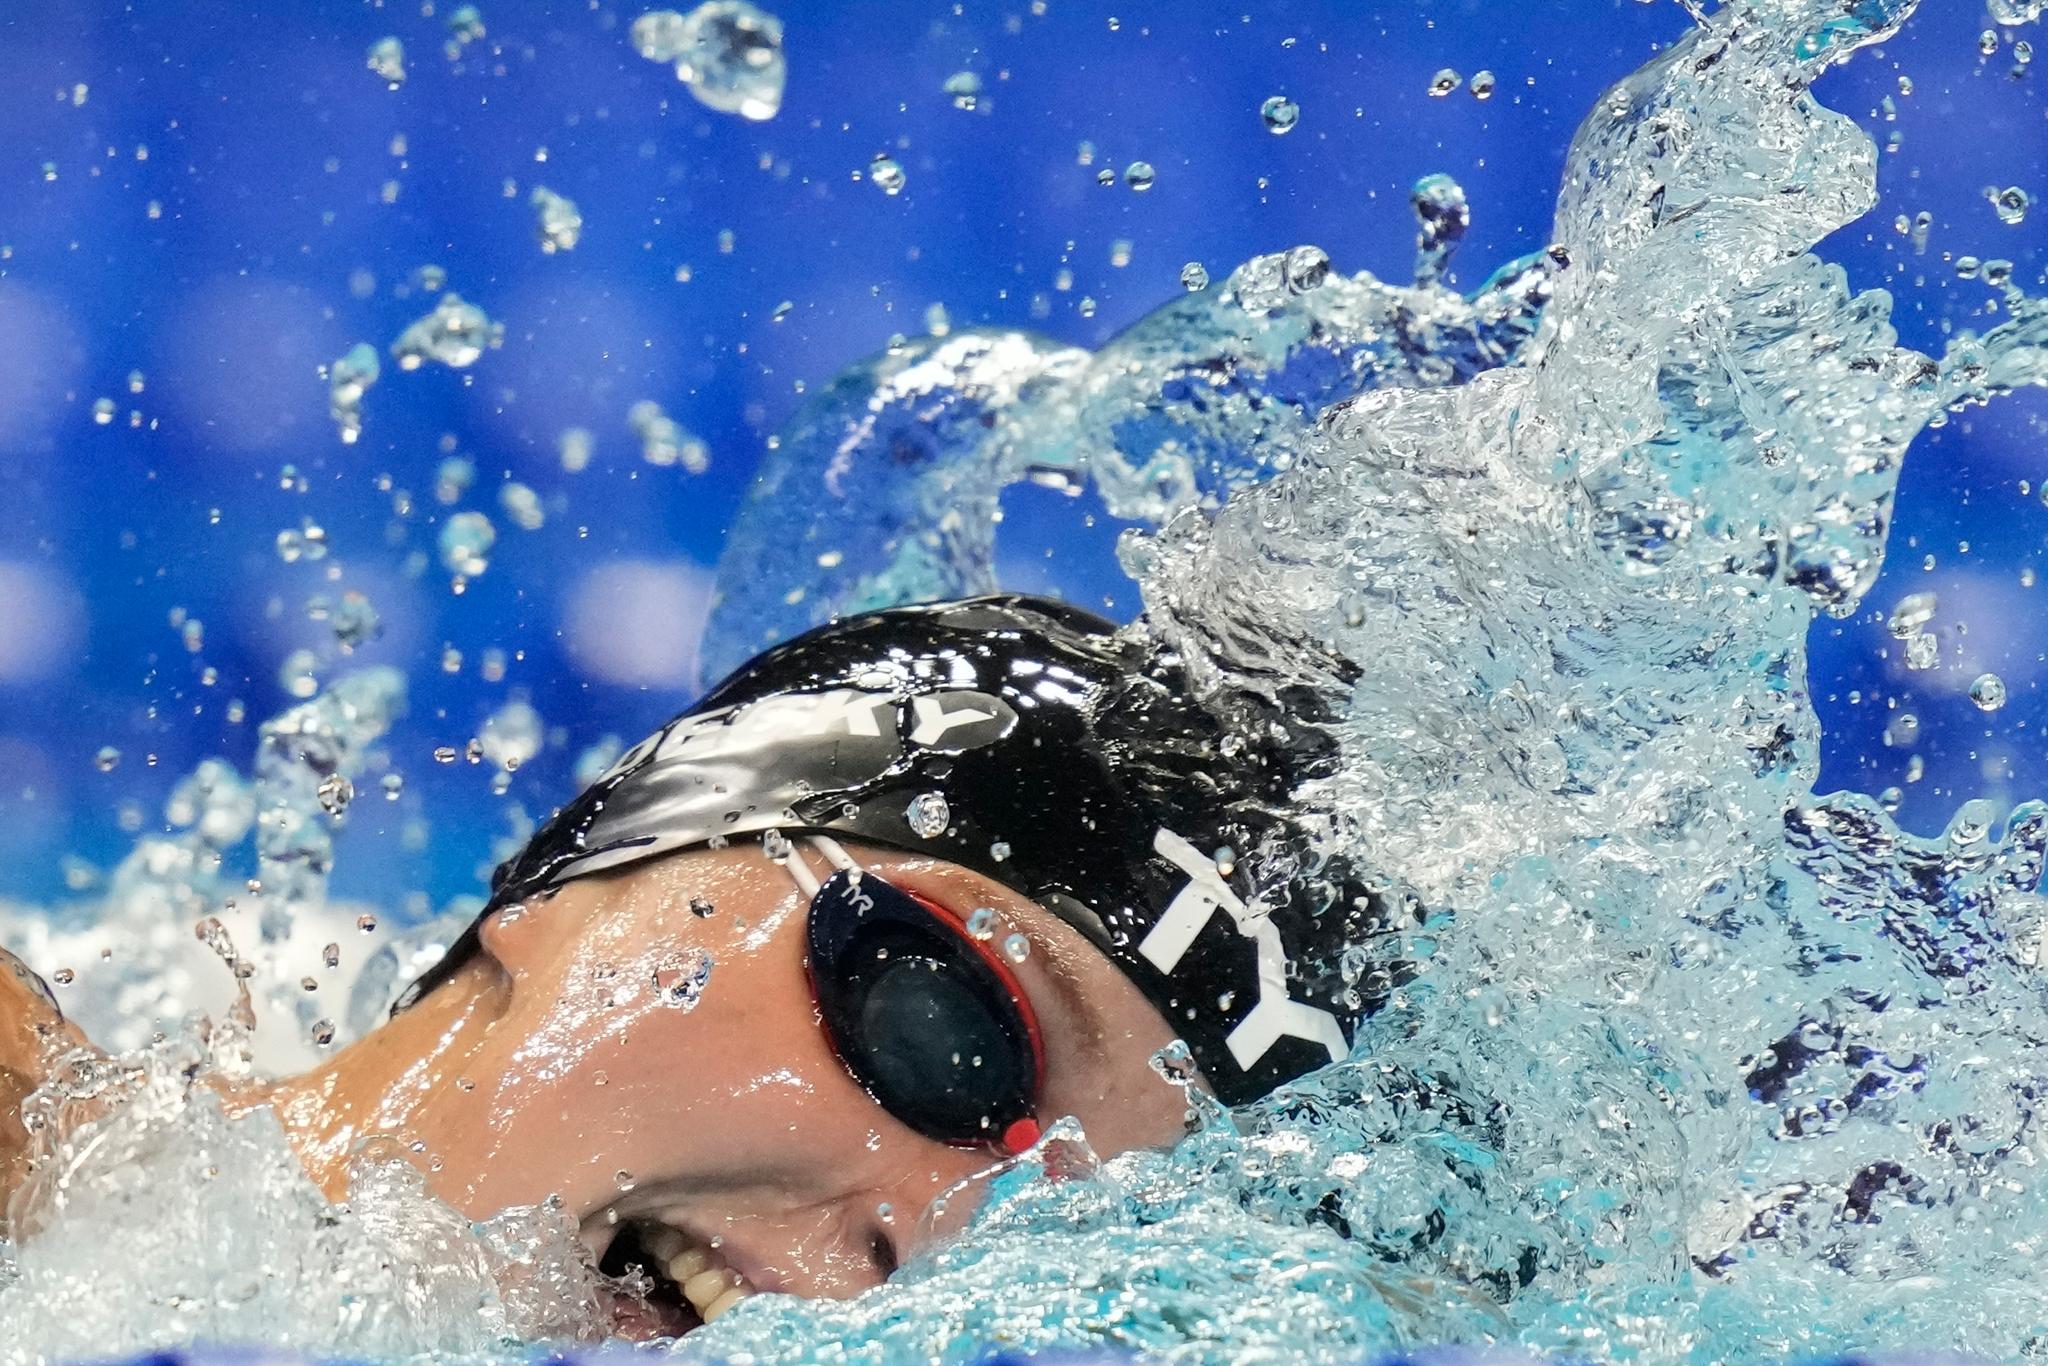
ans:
x=849 y=932
x=1047 y=751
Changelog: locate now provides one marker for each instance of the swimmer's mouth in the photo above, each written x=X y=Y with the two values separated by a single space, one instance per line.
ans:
x=670 y=1281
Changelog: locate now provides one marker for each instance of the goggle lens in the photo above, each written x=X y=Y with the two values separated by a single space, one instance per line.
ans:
x=926 y=1018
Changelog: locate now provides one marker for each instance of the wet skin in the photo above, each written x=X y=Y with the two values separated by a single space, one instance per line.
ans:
x=556 y=1061
x=32 y=1034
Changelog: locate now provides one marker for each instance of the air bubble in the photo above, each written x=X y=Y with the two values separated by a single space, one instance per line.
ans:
x=1279 y=114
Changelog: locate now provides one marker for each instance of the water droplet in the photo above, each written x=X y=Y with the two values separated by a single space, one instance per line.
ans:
x=298 y=675
x=465 y=26
x=575 y=447
x=1923 y=651
x=354 y=621
x=1987 y=42
x=701 y=908
x=1988 y=692
x=1139 y=175
x=624 y=1180
x=335 y=793
x=466 y=543
x=348 y=379
x=1225 y=859
x=1306 y=269
x=887 y=173
x=1891 y=799
x=444 y=754
x=999 y=851
x=928 y=814
x=965 y=88
x=556 y=219
x=728 y=52
x=387 y=59
x=1016 y=948
x=1444 y=82
x=331 y=955
x=107 y=758
x=1444 y=215
x=981 y=922
x=1913 y=611
x=103 y=411
x=455 y=334
x=663 y=441
x=393 y=785
x=1482 y=85
x=63 y=977
x=522 y=505
x=681 y=984
x=1194 y=276
x=366 y=923
x=2012 y=203
x=1279 y=114
x=323 y=1032
x=512 y=735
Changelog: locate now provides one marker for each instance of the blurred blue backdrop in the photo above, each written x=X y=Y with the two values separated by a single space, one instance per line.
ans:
x=203 y=203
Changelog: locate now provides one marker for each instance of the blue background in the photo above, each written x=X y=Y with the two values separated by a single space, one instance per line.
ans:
x=290 y=225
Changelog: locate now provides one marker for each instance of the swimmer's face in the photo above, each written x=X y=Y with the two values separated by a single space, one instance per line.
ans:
x=730 y=1121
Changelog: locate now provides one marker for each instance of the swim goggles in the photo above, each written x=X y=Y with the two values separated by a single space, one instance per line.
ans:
x=923 y=1011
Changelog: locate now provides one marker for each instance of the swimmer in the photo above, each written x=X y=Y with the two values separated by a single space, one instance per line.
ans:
x=850 y=932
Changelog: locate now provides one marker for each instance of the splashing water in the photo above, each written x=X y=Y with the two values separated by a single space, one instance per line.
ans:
x=1692 y=1064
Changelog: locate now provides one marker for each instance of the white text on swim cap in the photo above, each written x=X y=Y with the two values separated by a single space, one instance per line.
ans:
x=1277 y=1015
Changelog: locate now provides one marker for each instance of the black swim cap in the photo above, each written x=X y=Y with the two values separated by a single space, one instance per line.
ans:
x=1049 y=751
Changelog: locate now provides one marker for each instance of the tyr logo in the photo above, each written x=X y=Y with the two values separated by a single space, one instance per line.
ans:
x=1276 y=1015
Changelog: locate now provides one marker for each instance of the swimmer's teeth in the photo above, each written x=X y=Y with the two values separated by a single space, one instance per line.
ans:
x=691 y=1261
x=725 y=1302
x=708 y=1284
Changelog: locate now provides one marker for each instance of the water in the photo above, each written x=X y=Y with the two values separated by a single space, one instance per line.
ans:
x=1694 y=1064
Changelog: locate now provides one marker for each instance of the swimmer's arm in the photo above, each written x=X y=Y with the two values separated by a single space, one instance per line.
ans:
x=32 y=1030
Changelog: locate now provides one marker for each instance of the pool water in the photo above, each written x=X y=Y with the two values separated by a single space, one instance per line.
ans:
x=1692 y=1063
